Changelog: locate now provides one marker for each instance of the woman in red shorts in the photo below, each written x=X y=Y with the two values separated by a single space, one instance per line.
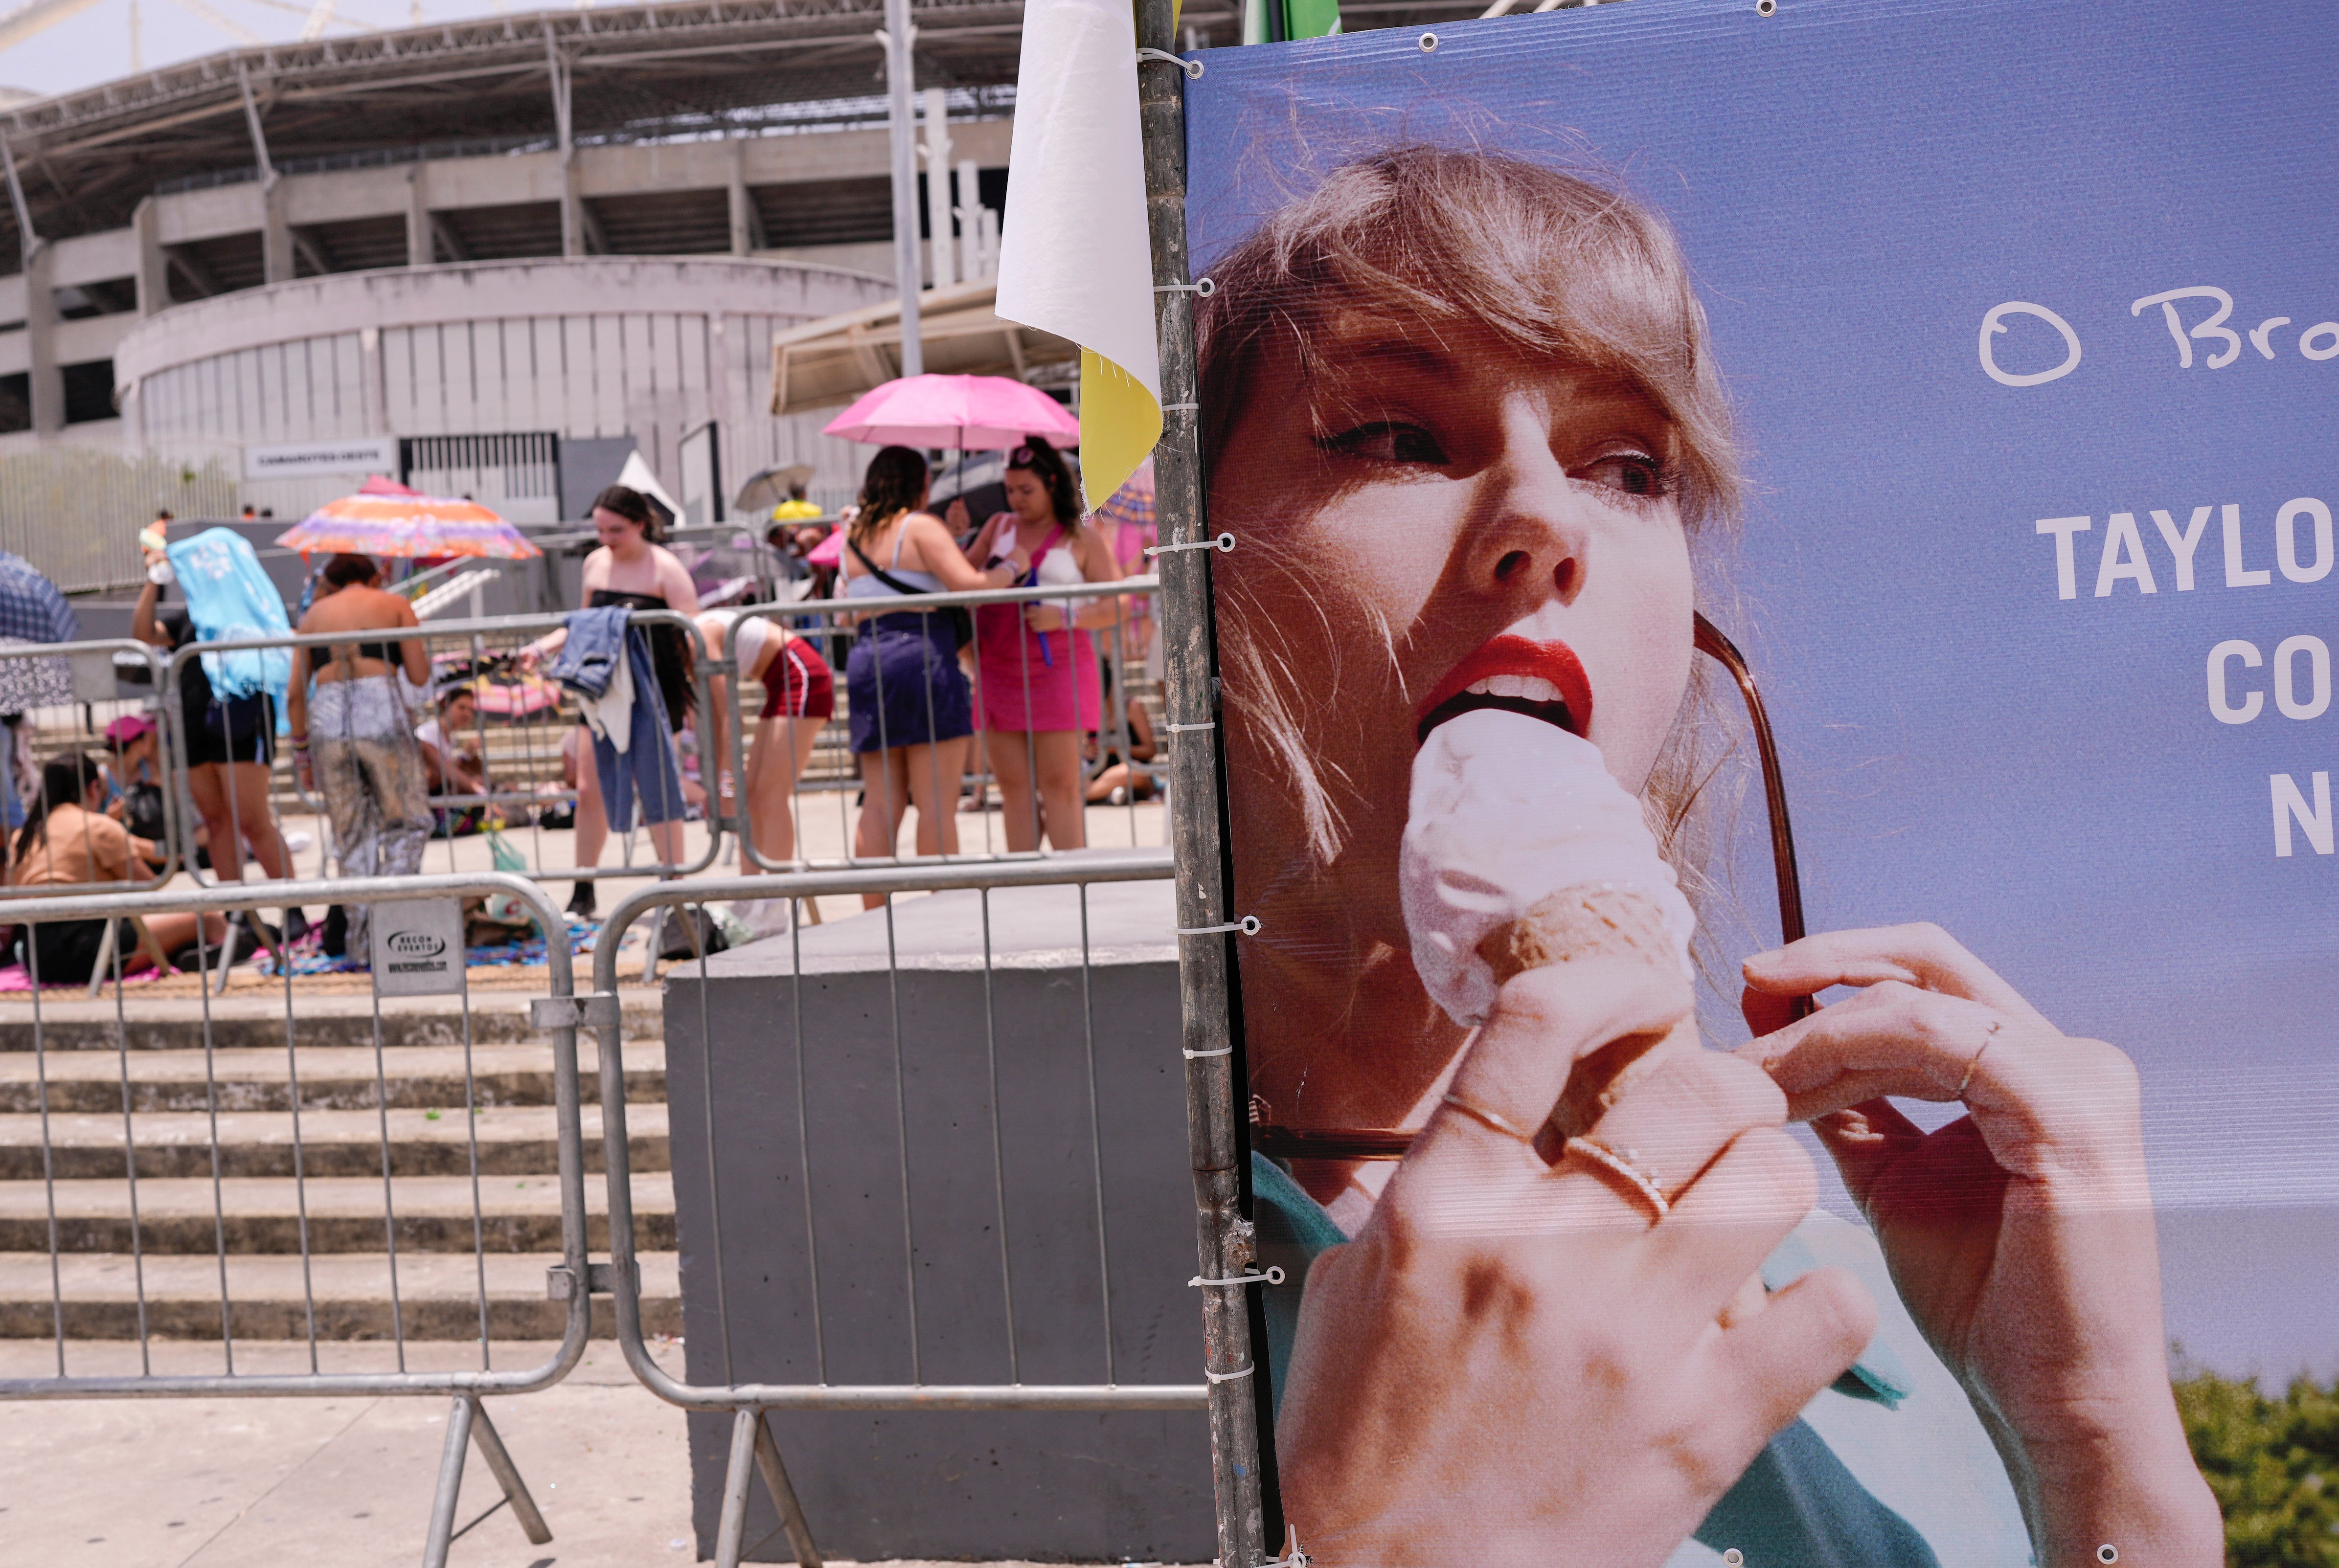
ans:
x=799 y=698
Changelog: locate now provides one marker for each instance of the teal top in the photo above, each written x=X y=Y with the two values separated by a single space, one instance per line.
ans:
x=1889 y=1468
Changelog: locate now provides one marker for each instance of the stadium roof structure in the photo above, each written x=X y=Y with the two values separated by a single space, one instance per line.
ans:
x=684 y=70
x=702 y=68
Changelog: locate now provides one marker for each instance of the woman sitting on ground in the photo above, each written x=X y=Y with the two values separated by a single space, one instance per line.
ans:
x=67 y=840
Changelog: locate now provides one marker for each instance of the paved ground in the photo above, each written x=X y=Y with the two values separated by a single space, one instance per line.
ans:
x=224 y=1482
x=344 y=1483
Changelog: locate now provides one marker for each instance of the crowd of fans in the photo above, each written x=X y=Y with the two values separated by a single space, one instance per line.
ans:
x=938 y=701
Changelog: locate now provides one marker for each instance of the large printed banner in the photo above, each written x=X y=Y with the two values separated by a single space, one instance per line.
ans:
x=1973 y=368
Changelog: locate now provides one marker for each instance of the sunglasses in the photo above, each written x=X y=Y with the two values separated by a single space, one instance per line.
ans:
x=1278 y=1142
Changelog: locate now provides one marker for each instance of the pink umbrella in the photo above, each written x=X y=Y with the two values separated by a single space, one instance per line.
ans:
x=967 y=413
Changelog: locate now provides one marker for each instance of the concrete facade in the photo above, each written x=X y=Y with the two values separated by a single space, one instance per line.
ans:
x=593 y=347
x=280 y=308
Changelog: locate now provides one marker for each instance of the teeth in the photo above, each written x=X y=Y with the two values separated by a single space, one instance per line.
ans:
x=1528 y=688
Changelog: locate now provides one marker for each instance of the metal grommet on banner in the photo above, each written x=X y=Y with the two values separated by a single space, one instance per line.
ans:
x=1766 y=7
x=2107 y=1553
x=1224 y=544
x=1194 y=68
x=1734 y=1558
x=1428 y=42
x=1201 y=287
x=1247 y=925
x=1274 y=1276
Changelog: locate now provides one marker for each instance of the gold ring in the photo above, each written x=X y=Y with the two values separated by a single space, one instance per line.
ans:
x=1493 y=1120
x=1994 y=1025
x=1643 y=1182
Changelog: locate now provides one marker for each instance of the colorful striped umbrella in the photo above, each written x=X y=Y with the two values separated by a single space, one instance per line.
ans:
x=385 y=524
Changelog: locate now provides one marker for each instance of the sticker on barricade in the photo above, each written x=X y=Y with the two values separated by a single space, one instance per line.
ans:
x=418 y=948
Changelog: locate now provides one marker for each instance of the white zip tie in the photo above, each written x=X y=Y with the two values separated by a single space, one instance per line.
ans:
x=1228 y=1377
x=1188 y=729
x=1179 y=408
x=1297 y=1558
x=1274 y=1276
x=1203 y=287
x=1224 y=543
x=1247 y=925
x=1194 y=68
x=1199 y=1055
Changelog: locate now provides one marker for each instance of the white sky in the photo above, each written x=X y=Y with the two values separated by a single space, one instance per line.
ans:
x=96 y=46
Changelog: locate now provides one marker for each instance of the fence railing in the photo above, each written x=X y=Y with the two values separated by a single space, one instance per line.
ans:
x=705 y=1053
x=273 y=1152
x=770 y=757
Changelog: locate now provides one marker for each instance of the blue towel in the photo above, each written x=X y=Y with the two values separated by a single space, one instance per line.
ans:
x=229 y=596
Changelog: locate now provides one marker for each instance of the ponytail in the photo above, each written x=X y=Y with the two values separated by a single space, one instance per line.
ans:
x=65 y=781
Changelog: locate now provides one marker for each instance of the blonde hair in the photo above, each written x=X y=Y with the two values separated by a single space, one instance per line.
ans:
x=1557 y=266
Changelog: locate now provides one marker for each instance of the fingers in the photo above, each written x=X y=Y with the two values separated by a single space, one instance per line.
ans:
x=1891 y=1039
x=1544 y=1021
x=1776 y=1361
x=1674 y=1124
x=1724 y=1227
x=1865 y=1141
x=1920 y=955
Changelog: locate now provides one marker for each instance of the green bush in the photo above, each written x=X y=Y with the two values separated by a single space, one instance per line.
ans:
x=2272 y=1460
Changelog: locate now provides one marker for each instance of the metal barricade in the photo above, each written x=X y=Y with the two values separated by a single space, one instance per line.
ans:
x=252 y=1182
x=86 y=677
x=485 y=643
x=752 y=1447
x=807 y=758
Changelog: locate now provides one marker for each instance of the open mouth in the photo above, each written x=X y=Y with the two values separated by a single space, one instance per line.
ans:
x=1541 y=681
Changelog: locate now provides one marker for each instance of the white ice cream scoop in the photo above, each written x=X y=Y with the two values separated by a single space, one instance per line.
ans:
x=1520 y=850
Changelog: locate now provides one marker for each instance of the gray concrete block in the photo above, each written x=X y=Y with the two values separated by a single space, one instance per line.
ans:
x=881 y=1225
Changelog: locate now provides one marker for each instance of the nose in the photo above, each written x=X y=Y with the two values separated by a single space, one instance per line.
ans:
x=1531 y=537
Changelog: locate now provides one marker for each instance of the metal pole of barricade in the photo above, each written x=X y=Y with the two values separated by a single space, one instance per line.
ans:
x=80 y=658
x=753 y=1447
x=570 y=1281
x=1206 y=983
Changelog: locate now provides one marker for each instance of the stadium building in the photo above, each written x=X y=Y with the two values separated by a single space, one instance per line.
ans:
x=490 y=255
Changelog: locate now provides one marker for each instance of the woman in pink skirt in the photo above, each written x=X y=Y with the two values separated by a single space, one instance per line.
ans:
x=1038 y=667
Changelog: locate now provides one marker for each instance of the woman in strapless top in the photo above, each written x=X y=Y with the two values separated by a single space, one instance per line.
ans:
x=634 y=569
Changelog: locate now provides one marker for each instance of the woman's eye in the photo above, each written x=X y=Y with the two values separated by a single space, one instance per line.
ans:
x=1387 y=442
x=1628 y=473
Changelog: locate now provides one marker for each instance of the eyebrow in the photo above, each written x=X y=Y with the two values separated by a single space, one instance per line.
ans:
x=1348 y=349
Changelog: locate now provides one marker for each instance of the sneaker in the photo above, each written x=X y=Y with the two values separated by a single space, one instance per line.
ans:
x=581 y=902
x=335 y=942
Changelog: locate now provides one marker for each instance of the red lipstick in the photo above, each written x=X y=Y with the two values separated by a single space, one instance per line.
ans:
x=1552 y=663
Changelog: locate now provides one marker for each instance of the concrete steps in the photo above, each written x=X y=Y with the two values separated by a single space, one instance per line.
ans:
x=343 y=1213
x=270 y=1295
x=308 y=1241
x=511 y=1141
x=332 y=1078
x=254 y=1018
